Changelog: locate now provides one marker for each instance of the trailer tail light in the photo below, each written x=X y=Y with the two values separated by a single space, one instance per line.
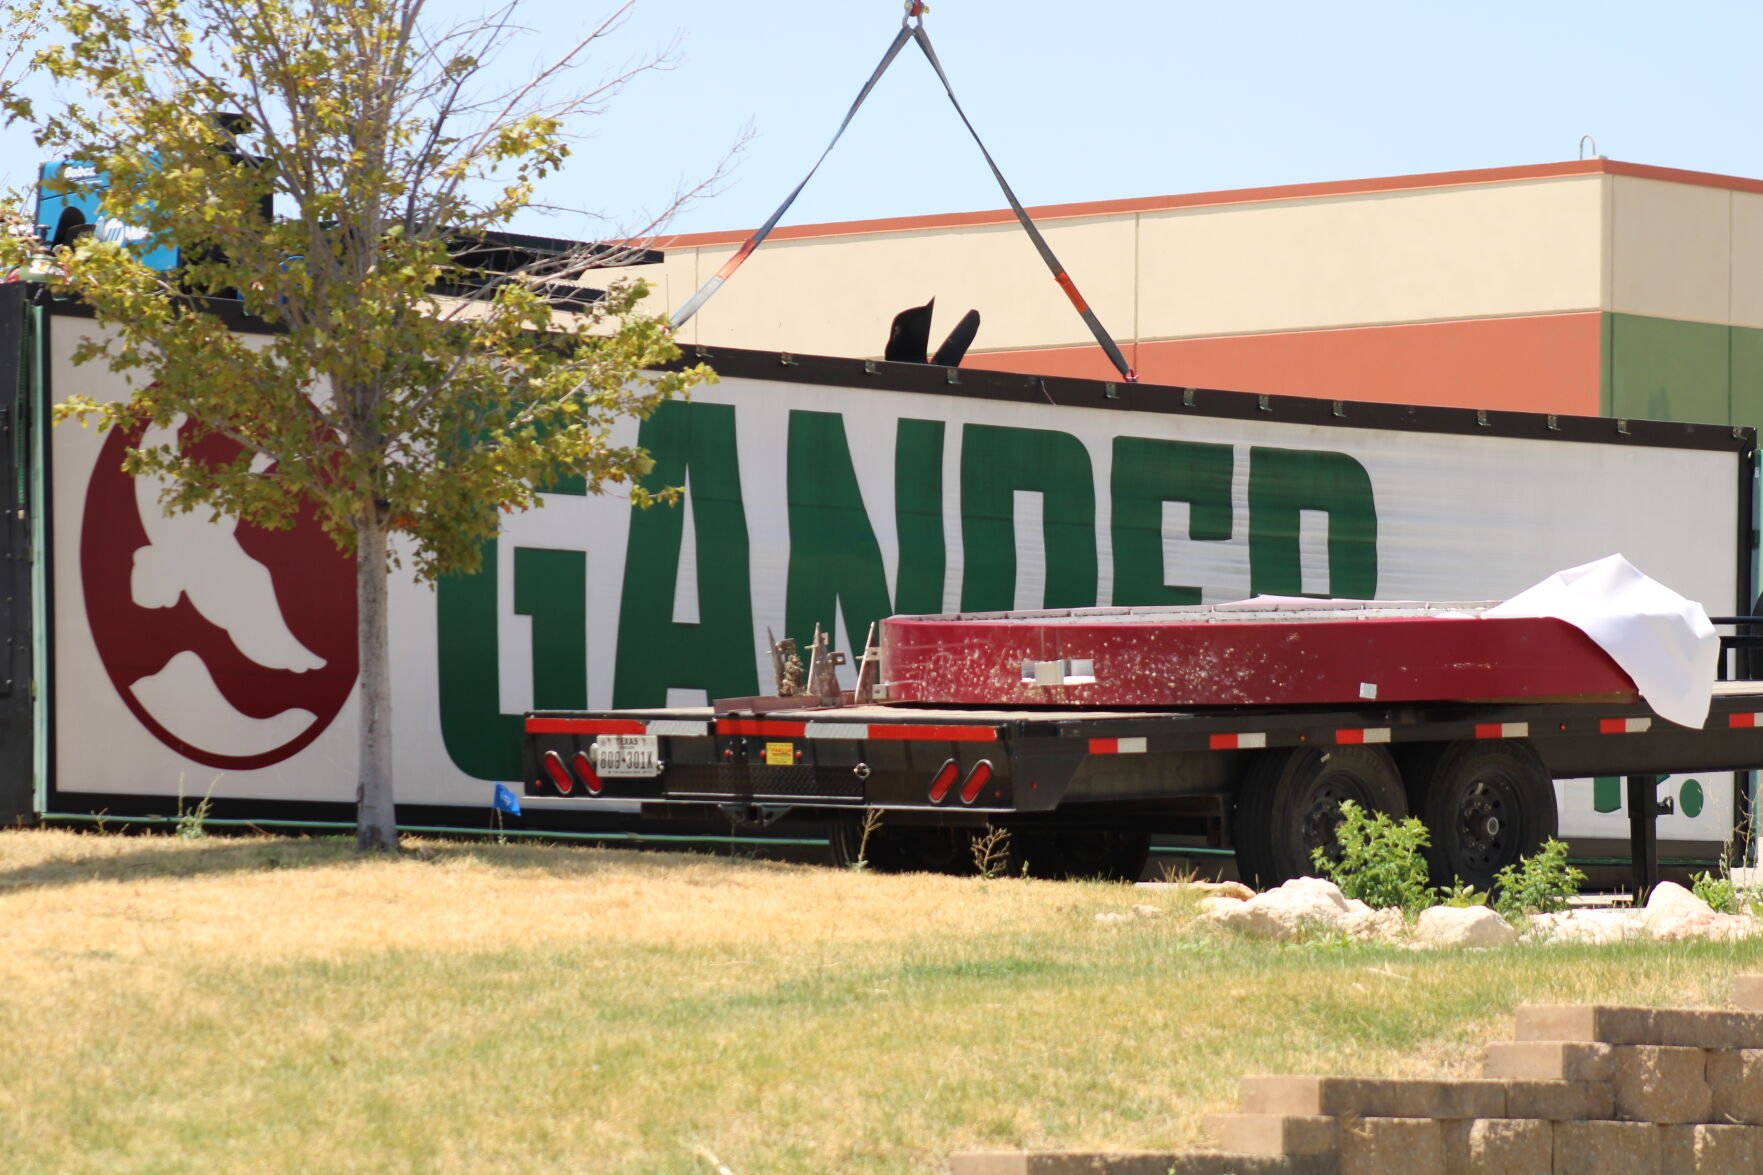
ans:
x=584 y=767
x=559 y=773
x=976 y=781
x=943 y=780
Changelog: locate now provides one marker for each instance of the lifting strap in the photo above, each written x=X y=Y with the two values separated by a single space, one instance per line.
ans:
x=913 y=29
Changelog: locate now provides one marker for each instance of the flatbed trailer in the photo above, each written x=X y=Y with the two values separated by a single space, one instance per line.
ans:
x=1081 y=791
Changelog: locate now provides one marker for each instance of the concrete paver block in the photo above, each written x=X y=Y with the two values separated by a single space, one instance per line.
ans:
x=1499 y=1146
x=1548 y=1060
x=1377 y=1146
x=1375 y=1098
x=1605 y=1148
x=1207 y=1163
x=1710 y=1150
x=1009 y=1162
x=1703 y=1028
x=1706 y=1028
x=1275 y=1134
x=1663 y=1084
x=1560 y=1101
x=1736 y=1078
x=1587 y=1022
x=1747 y=993
x=1058 y=1163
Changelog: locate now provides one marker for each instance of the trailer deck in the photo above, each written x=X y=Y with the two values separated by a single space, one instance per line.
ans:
x=1265 y=780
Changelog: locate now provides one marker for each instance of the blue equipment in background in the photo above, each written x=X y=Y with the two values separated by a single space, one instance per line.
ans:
x=68 y=195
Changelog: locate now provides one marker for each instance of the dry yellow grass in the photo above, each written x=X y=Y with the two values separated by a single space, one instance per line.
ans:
x=278 y=1005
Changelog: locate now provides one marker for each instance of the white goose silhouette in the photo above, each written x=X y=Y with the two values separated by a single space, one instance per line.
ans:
x=188 y=555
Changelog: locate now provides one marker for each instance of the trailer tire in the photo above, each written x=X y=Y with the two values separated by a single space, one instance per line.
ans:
x=1289 y=805
x=900 y=850
x=1485 y=804
x=1083 y=855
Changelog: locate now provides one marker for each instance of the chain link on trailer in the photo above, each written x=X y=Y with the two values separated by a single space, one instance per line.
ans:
x=912 y=29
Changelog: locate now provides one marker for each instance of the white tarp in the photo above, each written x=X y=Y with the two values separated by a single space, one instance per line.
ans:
x=1663 y=641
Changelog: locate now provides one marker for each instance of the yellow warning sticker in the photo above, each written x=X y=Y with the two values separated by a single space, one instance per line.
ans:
x=780 y=754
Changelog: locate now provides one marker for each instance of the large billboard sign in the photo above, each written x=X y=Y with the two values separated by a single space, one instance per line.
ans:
x=209 y=655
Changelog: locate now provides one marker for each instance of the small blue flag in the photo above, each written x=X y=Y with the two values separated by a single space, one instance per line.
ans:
x=506 y=801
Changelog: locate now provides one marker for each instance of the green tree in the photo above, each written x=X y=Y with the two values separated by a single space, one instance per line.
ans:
x=20 y=24
x=409 y=419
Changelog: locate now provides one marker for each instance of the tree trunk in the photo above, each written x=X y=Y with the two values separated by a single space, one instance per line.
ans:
x=376 y=819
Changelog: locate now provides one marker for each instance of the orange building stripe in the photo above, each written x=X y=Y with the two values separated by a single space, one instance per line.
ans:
x=1539 y=363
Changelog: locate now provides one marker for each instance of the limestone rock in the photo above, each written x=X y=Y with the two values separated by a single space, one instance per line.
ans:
x=1468 y=926
x=1589 y=926
x=1211 y=889
x=1300 y=906
x=1673 y=912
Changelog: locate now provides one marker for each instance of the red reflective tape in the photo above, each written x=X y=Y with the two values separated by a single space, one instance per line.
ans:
x=1612 y=726
x=1223 y=742
x=1741 y=720
x=899 y=731
x=1104 y=746
x=1349 y=738
x=584 y=726
x=1066 y=284
x=760 y=726
x=1489 y=730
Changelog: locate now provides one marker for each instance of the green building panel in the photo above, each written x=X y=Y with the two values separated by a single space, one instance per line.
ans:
x=1662 y=369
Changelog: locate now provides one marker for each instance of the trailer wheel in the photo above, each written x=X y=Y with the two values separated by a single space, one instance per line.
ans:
x=1486 y=804
x=1289 y=805
x=1108 y=856
x=900 y=850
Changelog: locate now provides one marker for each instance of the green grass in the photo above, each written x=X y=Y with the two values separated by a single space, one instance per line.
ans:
x=278 y=1005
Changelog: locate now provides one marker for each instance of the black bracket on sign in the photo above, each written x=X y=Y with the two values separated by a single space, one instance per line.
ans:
x=1644 y=809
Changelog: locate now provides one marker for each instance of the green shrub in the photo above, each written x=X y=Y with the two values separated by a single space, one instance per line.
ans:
x=1718 y=891
x=1461 y=894
x=1381 y=861
x=1539 y=884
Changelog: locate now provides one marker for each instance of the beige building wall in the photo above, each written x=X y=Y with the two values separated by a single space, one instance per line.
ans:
x=1585 y=286
x=1529 y=247
x=1187 y=267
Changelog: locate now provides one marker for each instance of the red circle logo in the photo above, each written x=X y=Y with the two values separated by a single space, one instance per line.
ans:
x=233 y=644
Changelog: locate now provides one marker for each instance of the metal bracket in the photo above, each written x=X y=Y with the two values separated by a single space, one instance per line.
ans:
x=868 y=670
x=754 y=815
x=823 y=661
x=786 y=665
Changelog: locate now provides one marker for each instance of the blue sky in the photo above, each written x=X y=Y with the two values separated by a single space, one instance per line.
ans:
x=1110 y=98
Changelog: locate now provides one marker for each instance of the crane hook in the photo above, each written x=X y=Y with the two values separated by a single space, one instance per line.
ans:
x=915 y=10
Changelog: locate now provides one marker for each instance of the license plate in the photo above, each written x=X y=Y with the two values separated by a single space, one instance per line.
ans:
x=627 y=756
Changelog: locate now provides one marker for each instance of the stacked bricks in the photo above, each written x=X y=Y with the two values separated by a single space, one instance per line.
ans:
x=1579 y=1091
